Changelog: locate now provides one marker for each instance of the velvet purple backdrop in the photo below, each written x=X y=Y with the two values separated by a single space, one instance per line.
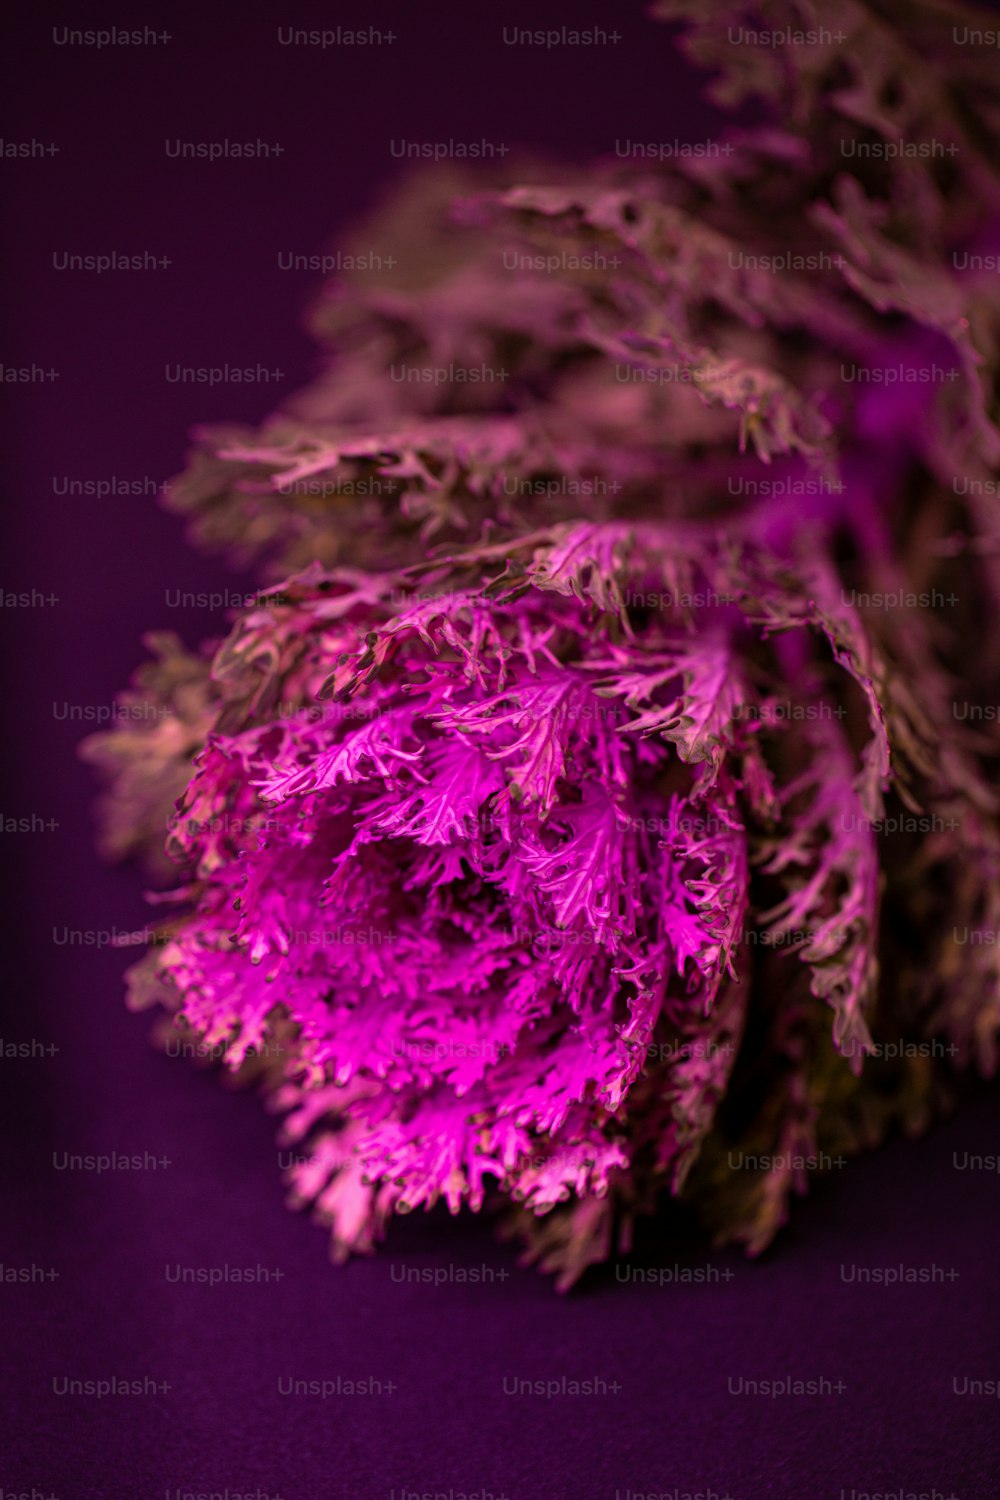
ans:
x=93 y=1287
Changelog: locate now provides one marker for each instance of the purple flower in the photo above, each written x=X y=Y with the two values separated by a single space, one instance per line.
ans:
x=590 y=808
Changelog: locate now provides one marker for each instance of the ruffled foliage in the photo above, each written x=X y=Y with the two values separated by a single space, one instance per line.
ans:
x=588 y=815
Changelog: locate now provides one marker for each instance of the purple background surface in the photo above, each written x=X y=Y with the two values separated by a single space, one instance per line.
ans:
x=113 y=1238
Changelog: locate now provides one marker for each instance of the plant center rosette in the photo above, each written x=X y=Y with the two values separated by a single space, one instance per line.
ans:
x=513 y=873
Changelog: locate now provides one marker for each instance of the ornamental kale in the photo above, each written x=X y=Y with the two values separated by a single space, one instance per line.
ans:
x=587 y=810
